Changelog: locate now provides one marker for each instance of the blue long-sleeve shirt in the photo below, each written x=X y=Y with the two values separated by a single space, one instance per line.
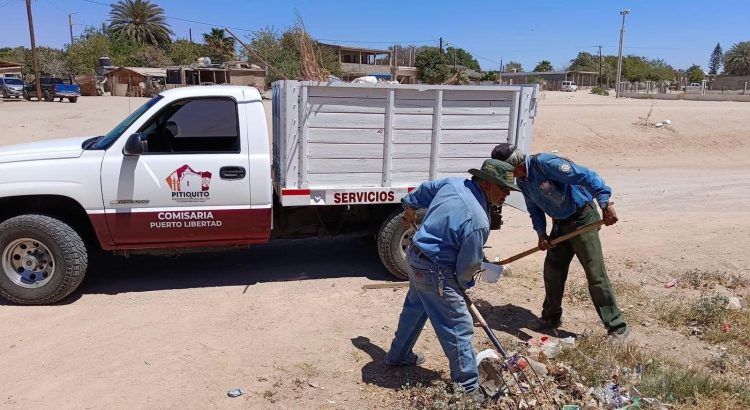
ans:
x=456 y=225
x=558 y=188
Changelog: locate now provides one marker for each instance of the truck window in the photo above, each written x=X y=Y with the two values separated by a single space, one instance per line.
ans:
x=205 y=125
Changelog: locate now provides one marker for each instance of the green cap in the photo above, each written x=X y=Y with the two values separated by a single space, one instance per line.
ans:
x=496 y=172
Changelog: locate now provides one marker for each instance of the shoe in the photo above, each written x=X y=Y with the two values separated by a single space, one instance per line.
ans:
x=619 y=335
x=543 y=324
x=419 y=359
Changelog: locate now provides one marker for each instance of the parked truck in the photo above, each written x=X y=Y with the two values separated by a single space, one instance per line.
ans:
x=52 y=88
x=194 y=168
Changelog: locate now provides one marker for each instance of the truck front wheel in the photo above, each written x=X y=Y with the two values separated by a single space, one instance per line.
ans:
x=394 y=239
x=43 y=260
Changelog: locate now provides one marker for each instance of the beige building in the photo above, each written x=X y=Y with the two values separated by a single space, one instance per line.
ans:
x=9 y=69
x=241 y=73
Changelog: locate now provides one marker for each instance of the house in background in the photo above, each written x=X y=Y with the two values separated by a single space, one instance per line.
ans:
x=242 y=73
x=551 y=80
x=136 y=81
x=359 y=62
x=10 y=69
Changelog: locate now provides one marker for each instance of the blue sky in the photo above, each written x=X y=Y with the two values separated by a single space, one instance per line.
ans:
x=682 y=33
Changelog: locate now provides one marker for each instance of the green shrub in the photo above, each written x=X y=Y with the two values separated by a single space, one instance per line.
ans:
x=600 y=91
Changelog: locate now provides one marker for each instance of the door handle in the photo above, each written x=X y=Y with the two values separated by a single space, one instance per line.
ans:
x=232 y=172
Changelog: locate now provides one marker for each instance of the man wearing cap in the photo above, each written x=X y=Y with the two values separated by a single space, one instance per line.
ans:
x=565 y=191
x=445 y=254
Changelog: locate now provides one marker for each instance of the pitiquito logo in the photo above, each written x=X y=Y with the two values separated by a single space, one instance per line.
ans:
x=189 y=185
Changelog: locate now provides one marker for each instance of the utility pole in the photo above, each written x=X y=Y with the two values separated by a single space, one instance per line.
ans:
x=501 y=64
x=70 y=25
x=441 y=44
x=33 y=53
x=619 y=55
x=190 y=34
x=600 y=65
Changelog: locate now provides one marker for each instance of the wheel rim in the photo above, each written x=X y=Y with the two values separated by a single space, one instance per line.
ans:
x=405 y=242
x=28 y=263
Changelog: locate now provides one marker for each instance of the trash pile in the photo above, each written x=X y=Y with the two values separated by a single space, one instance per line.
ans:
x=560 y=380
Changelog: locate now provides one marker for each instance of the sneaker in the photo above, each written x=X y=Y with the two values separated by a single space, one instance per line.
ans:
x=418 y=360
x=620 y=335
x=543 y=324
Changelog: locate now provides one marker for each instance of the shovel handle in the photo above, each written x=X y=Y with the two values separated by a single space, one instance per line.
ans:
x=579 y=231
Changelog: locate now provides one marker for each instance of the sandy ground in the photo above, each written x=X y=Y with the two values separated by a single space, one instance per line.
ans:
x=289 y=324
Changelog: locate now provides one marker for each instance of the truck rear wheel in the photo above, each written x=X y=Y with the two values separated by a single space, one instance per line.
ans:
x=393 y=241
x=43 y=260
x=72 y=99
x=47 y=96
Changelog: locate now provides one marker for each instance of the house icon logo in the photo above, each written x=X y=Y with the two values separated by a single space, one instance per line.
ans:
x=189 y=185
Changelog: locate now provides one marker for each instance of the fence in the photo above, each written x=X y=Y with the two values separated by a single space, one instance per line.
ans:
x=660 y=87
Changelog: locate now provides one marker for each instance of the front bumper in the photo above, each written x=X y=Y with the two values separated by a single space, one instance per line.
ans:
x=14 y=93
x=64 y=94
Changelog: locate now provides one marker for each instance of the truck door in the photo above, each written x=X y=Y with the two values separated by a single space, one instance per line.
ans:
x=190 y=187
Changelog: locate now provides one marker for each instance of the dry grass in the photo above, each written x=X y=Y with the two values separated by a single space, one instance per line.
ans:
x=705 y=279
x=439 y=396
x=597 y=362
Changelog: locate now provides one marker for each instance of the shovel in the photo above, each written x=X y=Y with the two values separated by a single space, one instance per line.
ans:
x=587 y=228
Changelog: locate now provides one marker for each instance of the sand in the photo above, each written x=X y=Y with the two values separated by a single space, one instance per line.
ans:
x=289 y=324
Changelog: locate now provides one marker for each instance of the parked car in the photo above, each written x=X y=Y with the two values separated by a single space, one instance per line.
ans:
x=53 y=88
x=569 y=86
x=11 y=87
x=692 y=87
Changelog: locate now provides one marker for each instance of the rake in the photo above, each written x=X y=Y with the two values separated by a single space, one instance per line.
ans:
x=517 y=377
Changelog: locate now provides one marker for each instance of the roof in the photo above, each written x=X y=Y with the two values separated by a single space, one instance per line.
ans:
x=9 y=64
x=239 y=92
x=366 y=50
x=144 y=71
x=541 y=73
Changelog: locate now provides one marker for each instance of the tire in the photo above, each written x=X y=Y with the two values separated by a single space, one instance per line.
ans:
x=47 y=96
x=73 y=99
x=393 y=239
x=26 y=95
x=58 y=252
x=5 y=94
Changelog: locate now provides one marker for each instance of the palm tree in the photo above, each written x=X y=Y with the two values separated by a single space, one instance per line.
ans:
x=543 y=65
x=139 y=21
x=737 y=59
x=222 y=45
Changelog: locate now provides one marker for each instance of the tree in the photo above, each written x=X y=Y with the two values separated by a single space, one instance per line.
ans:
x=218 y=46
x=660 y=71
x=584 y=62
x=635 y=68
x=737 y=59
x=280 y=51
x=83 y=55
x=432 y=66
x=715 y=62
x=150 y=56
x=695 y=73
x=461 y=57
x=512 y=67
x=183 y=52
x=139 y=21
x=490 y=76
x=544 y=65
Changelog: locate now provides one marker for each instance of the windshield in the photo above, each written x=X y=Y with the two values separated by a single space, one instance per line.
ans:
x=126 y=123
x=13 y=81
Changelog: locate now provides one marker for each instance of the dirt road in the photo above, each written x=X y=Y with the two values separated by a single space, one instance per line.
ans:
x=289 y=324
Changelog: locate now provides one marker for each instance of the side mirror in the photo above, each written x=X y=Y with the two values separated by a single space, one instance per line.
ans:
x=135 y=145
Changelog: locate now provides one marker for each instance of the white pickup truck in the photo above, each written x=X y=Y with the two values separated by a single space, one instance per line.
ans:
x=194 y=169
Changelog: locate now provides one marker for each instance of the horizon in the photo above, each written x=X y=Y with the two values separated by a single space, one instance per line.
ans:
x=543 y=35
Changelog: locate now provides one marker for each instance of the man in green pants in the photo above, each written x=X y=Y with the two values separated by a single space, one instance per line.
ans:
x=565 y=191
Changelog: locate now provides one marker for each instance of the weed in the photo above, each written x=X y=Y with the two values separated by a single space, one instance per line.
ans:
x=270 y=396
x=706 y=311
x=600 y=91
x=440 y=396
x=702 y=279
x=597 y=361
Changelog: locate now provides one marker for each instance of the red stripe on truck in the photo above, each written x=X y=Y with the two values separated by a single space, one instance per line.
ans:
x=295 y=192
x=164 y=229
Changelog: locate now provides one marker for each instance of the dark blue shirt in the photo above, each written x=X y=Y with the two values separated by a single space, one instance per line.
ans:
x=558 y=188
x=455 y=227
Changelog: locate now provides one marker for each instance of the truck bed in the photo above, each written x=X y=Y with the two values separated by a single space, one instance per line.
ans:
x=340 y=136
